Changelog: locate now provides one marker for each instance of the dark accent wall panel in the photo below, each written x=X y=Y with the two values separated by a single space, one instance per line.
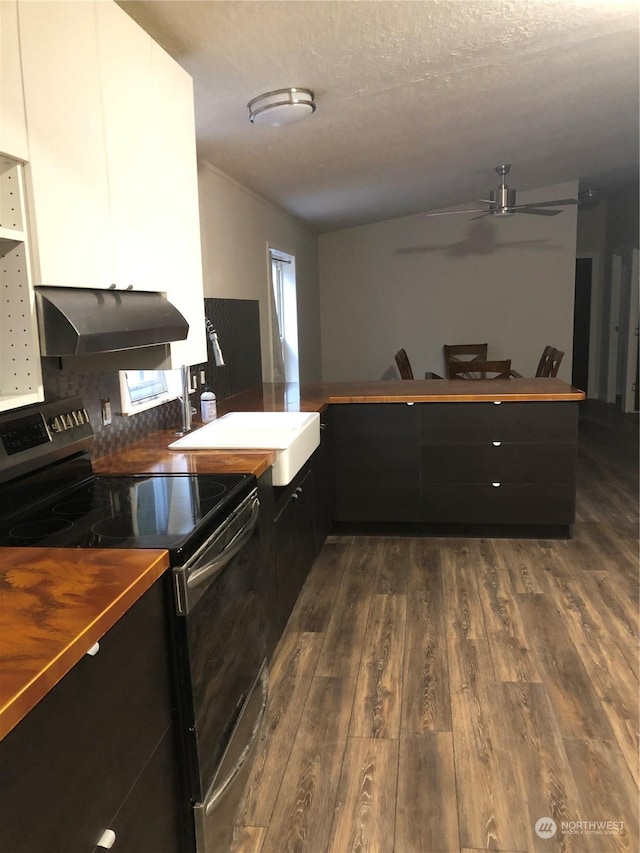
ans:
x=237 y=322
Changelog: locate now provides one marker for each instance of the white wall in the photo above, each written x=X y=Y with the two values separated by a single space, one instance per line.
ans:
x=420 y=282
x=237 y=226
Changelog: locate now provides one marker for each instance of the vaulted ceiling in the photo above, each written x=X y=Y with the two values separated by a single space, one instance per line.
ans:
x=417 y=102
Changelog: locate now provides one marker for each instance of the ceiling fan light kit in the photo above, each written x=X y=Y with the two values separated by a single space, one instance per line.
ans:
x=281 y=107
x=502 y=202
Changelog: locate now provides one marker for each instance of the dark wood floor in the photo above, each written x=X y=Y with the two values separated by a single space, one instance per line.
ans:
x=436 y=695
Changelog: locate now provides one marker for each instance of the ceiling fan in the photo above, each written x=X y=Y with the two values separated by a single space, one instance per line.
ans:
x=502 y=202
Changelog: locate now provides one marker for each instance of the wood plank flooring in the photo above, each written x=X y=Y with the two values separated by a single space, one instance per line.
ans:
x=436 y=695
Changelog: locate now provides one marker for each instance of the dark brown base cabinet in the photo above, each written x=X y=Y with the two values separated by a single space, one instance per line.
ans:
x=295 y=539
x=98 y=751
x=376 y=462
x=456 y=463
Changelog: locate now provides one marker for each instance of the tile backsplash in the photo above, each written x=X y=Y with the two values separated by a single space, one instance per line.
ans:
x=237 y=322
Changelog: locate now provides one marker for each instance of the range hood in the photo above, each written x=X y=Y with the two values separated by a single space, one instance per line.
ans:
x=79 y=321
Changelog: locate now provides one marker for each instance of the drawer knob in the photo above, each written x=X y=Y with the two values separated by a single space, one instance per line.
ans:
x=93 y=651
x=496 y=443
x=107 y=839
x=496 y=485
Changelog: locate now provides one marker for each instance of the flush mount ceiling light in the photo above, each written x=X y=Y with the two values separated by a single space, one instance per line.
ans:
x=281 y=107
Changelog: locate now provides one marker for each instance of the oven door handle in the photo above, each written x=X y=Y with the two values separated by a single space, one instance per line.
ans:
x=220 y=789
x=239 y=540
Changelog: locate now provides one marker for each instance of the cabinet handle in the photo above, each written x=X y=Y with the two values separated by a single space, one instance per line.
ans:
x=107 y=839
x=496 y=443
x=93 y=651
x=496 y=485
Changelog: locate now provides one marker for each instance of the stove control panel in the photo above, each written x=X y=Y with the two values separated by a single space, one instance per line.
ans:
x=38 y=435
x=23 y=433
x=68 y=420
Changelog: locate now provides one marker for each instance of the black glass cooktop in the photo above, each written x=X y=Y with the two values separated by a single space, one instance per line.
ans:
x=130 y=512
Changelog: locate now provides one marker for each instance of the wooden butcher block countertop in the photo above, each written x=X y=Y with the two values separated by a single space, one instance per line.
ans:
x=55 y=603
x=151 y=454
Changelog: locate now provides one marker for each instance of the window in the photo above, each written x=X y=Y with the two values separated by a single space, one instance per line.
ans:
x=143 y=389
x=283 y=282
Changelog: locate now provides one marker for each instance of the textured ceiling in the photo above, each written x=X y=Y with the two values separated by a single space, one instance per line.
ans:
x=417 y=102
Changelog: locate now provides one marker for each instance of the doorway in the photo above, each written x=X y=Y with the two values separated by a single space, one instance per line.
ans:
x=582 y=323
x=624 y=323
x=285 y=319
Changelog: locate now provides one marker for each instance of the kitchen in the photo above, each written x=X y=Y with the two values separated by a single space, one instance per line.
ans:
x=223 y=269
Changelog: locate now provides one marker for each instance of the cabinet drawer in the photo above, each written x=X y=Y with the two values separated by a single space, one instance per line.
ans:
x=67 y=767
x=504 y=462
x=507 y=504
x=518 y=422
x=148 y=818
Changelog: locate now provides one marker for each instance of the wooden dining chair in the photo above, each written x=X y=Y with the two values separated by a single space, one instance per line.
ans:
x=463 y=352
x=403 y=364
x=553 y=362
x=476 y=369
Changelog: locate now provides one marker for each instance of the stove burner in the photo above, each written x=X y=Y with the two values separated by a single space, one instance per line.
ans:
x=212 y=490
x=118 y=527
x=40 y=529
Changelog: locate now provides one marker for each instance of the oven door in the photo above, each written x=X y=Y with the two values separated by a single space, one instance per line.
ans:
x=222 y=649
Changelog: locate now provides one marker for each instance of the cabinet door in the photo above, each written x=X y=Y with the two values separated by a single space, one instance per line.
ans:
x=126 y=88
x=287 y=573
x=321 y=461
x=67 y=173
x=13 y=127
x=68 y=766
x=174 y=217
x=295 y=541
x=305 y=500
x=376 y=462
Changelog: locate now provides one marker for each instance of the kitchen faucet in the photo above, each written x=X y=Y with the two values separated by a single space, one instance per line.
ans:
x=186 y=409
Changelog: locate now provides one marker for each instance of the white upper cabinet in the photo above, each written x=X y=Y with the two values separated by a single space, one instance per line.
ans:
x=175 y=219
x=68 y=189
x=13 y=128
x=124 y=51
x=112 y=163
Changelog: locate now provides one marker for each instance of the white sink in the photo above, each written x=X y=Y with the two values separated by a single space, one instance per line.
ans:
x=293 y=435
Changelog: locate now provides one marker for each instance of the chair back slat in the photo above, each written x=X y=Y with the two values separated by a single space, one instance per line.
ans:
x=476 y=369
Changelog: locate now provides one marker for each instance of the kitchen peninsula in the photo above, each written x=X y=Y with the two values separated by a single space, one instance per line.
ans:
x=430 y=451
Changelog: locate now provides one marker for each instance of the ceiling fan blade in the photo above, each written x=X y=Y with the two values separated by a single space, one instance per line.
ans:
x=485 y=200
x=537 y=211
x=557 y=203
x=449 y=212
x=481 y=216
